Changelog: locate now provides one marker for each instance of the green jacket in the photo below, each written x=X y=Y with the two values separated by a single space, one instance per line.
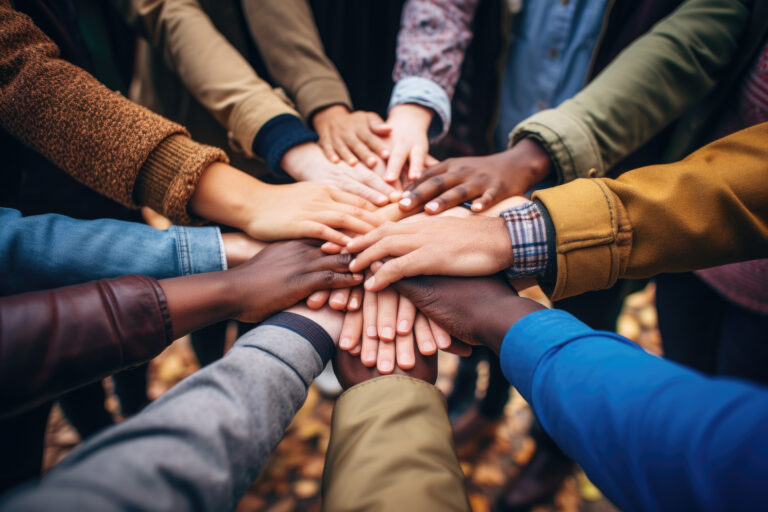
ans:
x=679 y=71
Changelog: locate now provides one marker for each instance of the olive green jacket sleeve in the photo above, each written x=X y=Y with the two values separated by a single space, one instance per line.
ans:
x=650 y=84
x=392 y=449
x=290 y=45
x=214 y=72
x=706 y=210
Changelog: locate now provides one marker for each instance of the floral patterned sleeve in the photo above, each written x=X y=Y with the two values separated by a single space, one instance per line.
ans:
x=434 y=35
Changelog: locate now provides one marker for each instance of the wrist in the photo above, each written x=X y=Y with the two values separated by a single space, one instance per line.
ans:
x=539 y=165
x=417 y=116
x=297 y=160
x=500 y=319
x=328 y=114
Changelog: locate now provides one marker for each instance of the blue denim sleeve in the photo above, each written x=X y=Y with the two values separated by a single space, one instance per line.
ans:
x=651 y=434
x=49 y=251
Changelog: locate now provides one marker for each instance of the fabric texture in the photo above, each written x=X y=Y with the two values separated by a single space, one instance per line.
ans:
x=278 y=136
x=391 y=449
x=713 y=205
x=96 y=135
x=637 y=423
x=197 y=447
x=48 y=251
x=528 y=234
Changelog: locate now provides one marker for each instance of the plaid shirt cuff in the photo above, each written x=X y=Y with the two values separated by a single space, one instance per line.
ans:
x=528 y=233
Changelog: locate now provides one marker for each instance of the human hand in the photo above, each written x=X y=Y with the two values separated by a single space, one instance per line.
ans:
x=350 y=136
x=326 y=318
x=277 y=212
x=283 y=274
x=408 y=141
x=486 y=179
x=239 y=248
x=306 y=162
x=474 y=310
x=472 y=246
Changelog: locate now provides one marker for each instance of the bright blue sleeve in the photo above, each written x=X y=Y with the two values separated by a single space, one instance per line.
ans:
x=651 y=434
x=50 y=251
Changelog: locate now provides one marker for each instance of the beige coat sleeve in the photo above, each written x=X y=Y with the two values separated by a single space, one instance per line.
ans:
x=287 y=37
x=210 y=67
x=392 y=449
x=707 y=210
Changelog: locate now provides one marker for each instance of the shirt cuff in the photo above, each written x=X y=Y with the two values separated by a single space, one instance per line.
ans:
x=426 y=93
x=528 y=234
x=277 y=136
x=199 y=250
x=307 y=329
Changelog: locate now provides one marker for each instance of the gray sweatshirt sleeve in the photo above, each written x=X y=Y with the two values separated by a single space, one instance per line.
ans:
x=201 y=444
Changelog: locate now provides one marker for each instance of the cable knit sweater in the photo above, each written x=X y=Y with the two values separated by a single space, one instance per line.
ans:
x=96 y=135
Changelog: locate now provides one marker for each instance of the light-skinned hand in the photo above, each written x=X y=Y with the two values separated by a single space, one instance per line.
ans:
x=408 y=141
x=351 y=136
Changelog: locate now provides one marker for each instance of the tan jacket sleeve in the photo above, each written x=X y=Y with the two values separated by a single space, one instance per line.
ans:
x=96 y=135
x=210 y=68
x=392 y=449
x=287 y=37
x=649 y=85
x=707 y=210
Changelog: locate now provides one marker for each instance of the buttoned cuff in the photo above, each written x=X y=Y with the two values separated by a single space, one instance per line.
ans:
x=199 y=249
x=528 y=235
x=426 y=93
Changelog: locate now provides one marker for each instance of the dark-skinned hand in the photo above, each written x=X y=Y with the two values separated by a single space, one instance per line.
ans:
x=477 y=310
x=484 y=179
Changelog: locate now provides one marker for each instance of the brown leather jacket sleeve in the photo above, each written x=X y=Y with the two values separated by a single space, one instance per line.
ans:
x=53 y=341
x=96 y=135
x=707 y=210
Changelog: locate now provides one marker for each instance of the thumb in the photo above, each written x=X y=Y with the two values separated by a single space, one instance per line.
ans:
x=377 y=125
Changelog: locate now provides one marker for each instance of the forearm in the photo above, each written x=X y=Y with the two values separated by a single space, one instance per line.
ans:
x=655 y=80
x=200 y=445
x=49 y=251
x=596 y=391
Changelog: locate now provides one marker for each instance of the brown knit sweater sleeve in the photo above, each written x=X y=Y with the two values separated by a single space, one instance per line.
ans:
x=96 y=135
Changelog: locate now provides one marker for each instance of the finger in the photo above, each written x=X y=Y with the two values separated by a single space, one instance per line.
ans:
x=459 y=348
x=385 y=361
x=373 y=180
x=378 y=126
x=432 y=183
x=328 y=279
x=423 y=334
x=356 y=350
x=395 y=163
x=391 y=246
x=341 y=220
x=454 y=197
x=318 y=299
x=352 y=199
x=335 y=262
x=338 y=299
x=404 y=354
x=416 y=162
x=442 y=338
x=430 y=161
x=327 y=148
x=386 y=314
x=362 y=151
x=411 y=264
x=331 y=248
x=344 y=152
x=375 y=144
x=352 y=186
x=370 y=331
x=406 y=314
x=355 y=299
x=313 y=229
x=489 y=198
x=351 y=330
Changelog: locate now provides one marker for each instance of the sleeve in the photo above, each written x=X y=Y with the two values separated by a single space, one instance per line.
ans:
x=96 y=135
x=289 y=43
x=48 y=251
x=706 y=210
x=391 y=448
x=53 y=341
x=200 y=445
x=210 y=68
x=652 y=83
x=433 y=39
x=651 y=434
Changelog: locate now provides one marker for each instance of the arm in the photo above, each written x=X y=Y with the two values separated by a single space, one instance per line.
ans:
x=596 y=391
x=48 y=251
x=655 y=80
x=202 y=444
x=99 y=137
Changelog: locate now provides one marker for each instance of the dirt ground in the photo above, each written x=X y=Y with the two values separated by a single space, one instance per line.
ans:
x=291 y=479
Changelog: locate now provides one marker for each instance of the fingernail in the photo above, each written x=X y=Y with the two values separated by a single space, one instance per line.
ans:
x=407 y=193
x=384 y=154
x=352 y=162
x=338 y=300
x=353 y=302
x=387 y=333
x=406 y=201
x=346 y=240
x=431 y=206
x=370 y=282
x=386 y=366
x=382 y=198
x=357 y=277
x=370 y=356
x=352 y=263
x=345 y=343
x=389 y=177
x=444 y=343
x=371 y=161
x=428 y=346
x=477 y=206
x=406 y=359
x=403 y=327
x=371 y=331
